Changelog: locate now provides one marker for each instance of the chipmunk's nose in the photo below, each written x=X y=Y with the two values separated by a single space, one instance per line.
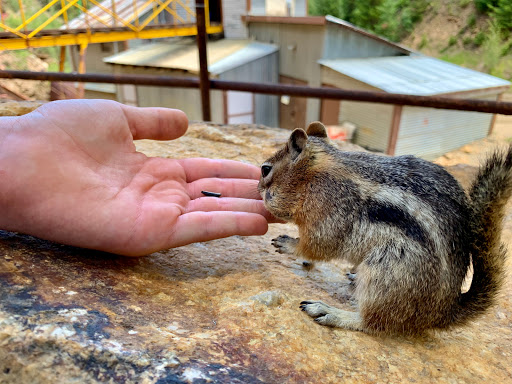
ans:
x=268 y=196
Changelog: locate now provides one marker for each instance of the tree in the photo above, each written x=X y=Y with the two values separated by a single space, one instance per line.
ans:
x=327 y=7
x=503 y=15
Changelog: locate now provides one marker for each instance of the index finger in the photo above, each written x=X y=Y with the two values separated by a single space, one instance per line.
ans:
x=199 y=168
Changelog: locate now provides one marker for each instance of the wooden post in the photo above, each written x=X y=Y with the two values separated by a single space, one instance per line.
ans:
x=395 y=127
x=62 y=60
x=81 y=69
x=493 y=119
x=204 y=81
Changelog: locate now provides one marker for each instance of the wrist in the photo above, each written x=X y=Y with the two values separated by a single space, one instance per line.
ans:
x=11 y=152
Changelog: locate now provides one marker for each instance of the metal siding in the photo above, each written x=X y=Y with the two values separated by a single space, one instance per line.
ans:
x=300 y=47
x=415 y=75
x=257 y=7
x=429 y=132
x=301 y=8
x=343 y=43
x=373 y=120
x=232 y=11
x=339 y=80
x=223 y=55
x=186 y=99
x=373 y=123
x=125 y=9
x=263 y=70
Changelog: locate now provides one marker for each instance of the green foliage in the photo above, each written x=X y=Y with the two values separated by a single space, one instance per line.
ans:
x=325 y=7
x=502 y=12
x=485 y=6
x=493 y=47
x=365 y=13
x=30 y=7
x=468 y=42
x=471 y=22
x=479 y=39
x=393 y=19
x=462 y=58
x=423 y=43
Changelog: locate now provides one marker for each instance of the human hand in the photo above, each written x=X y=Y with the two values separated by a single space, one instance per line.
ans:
x=70 y=173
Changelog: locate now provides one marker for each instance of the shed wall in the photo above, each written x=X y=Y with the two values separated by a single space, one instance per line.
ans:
x=232 y=11
x=373 y=120
x=429 y=132
x=373 y=123
x=263 y=70
x=95 y=54
x=300 y=47
x=342 y=43
x=186 y=99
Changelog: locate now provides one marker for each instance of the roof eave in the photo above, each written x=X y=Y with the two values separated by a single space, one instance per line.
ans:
x=303 y=20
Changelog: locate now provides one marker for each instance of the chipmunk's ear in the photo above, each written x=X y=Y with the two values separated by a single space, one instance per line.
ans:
x=297 y=142
x=317 y=129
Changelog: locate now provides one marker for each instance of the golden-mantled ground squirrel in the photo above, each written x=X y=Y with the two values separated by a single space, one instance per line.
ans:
x=405 y=223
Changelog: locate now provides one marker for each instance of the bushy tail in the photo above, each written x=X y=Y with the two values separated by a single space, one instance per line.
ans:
x=489 y=195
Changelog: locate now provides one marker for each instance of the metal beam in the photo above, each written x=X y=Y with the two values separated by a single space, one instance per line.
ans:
x=91 y=37
x=486 y=106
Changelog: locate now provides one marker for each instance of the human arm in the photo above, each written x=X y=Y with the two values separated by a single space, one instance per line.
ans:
x=70 y=173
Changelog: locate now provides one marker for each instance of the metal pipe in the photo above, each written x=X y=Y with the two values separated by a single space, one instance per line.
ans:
x=487 y=106
x=158 y=81
x=441 y=102
x=204 y=81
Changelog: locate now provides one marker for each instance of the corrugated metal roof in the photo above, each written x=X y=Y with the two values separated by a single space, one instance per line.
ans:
x=125 y=9
x=414 y=75
x=223 y=55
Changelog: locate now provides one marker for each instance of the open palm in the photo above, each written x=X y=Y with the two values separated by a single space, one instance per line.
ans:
x=72 y=175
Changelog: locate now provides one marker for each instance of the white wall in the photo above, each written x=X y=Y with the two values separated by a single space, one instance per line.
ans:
x=232 y=11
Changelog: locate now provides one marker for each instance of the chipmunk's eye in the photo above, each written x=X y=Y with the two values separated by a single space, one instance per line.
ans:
x=265 y=170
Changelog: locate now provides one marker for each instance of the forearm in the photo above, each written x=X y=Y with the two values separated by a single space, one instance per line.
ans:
x=7 y=168
x=15 y=159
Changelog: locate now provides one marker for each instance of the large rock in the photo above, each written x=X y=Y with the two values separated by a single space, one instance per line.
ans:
x=225 y=311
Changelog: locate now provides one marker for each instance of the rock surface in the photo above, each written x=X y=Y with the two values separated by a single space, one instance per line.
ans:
x=225 y=311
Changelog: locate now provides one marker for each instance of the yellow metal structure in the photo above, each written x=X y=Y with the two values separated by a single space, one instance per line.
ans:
x=101 y=22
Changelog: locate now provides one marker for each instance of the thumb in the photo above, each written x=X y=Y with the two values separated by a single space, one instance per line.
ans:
x=155 y=123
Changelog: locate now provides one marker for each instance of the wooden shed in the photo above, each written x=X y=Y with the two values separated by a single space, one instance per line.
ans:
x=397 y=130
x=302 y=42
x=228 y=59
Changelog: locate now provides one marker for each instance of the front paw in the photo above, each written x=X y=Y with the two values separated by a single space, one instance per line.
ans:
x=285 y=244
x=351 y=276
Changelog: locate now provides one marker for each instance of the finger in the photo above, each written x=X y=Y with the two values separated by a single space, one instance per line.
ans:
x=209 y=204
x=204 y=226
x=155 y=123
x=199 y=168
x=247 y=189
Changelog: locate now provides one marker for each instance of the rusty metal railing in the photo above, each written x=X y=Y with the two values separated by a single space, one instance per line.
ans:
x=487 y=106
x=205 y=84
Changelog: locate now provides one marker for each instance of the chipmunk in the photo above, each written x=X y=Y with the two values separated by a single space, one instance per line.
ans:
x=405 y=224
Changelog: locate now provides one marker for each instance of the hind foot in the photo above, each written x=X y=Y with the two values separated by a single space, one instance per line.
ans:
x=331 y=316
